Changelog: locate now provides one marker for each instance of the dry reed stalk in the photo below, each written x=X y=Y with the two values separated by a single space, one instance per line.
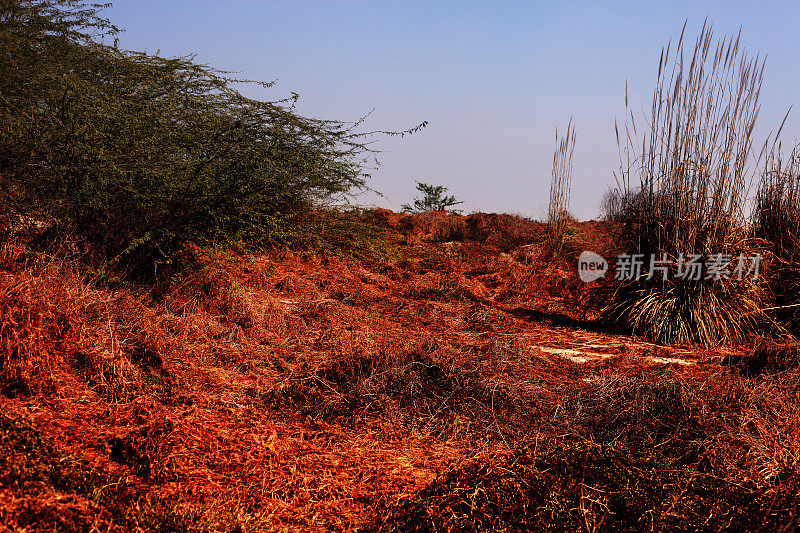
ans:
x=776 y=217
x=558 y=214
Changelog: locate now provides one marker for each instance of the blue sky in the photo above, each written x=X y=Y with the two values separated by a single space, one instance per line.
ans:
x=493 y=79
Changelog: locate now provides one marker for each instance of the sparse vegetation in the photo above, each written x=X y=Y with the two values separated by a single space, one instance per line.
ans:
x=587 y=487
x=258 y=373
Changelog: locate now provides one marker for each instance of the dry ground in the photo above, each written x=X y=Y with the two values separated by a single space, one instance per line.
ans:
x=459 y=385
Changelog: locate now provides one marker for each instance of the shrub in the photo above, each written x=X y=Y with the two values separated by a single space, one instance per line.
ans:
x=615 y=204
x=135 y=153
x=434 y=198
x=505 y=231
x=332 y=232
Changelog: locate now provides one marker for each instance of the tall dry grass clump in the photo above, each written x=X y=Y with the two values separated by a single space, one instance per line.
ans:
x=558 y=216
x=684 y=180
x=776 y=221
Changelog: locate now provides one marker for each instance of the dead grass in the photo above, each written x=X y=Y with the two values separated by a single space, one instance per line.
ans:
x=588 y=487
x=287 y=392
x=768 y=356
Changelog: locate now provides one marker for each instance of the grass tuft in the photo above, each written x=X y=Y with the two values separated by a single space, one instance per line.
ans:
x=683 y=191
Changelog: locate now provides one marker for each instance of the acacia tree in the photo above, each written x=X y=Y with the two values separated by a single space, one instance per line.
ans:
x=434 y=198
x=135 y=152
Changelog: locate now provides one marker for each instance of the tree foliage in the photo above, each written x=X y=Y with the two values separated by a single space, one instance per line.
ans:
x=134 y=152
x=434 y=198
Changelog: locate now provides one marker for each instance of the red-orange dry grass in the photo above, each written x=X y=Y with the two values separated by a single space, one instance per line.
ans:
x=238 y=464
x=209 y=448
x=36 y=334
x=286 y=391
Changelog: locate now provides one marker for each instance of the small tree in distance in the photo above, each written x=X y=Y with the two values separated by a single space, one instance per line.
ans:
x=434 y=199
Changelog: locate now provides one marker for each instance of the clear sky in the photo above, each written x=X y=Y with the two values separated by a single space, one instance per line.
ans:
x=494 y=79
